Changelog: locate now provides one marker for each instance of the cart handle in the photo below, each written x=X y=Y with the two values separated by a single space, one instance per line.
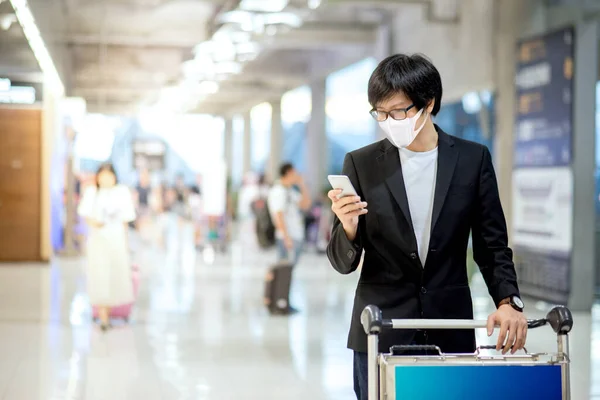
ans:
x=493 y=347
x=559 y=318
x=400 y=348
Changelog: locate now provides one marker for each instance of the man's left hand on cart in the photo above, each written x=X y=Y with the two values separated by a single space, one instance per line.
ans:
x=513 y=328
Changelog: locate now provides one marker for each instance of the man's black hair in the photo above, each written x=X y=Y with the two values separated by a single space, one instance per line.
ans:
x=285 y=168
x=415 y=76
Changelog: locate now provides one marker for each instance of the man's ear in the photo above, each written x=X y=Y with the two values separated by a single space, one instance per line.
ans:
x=430 y=106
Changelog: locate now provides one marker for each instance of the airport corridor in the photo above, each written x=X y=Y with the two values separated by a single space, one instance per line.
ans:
x=200 y=331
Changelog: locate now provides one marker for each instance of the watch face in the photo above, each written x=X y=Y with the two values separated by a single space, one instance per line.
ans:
x=518 y=302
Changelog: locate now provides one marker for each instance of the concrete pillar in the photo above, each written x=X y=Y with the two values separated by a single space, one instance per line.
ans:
x=384 y=42
x=384 y=47
x=51 y=127
x=507 y=33
x=276 y=147
x=317 y=146
x=228 y=145
x=583 y=165
x=247 y=143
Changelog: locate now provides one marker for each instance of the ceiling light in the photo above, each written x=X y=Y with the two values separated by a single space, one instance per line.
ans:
x=263 y=5
x=232 y=34
x=283 y=18
x=208 y=87
x=233 y=68
x=271 y=30
x=7 y=20
x=4 y=85
x=224 y=51
x=247 y=57
x=205 y=47
x=252 y=22
x=246 y=48
x=240 y=37
x=18 y=95
x=314 y=4
x=36 y=43
x=236 y=17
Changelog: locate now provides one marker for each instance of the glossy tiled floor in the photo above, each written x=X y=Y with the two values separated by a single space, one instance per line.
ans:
x=199 y=331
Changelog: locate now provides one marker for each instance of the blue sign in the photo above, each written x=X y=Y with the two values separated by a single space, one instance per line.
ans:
x=544 y=84
x=489 y=382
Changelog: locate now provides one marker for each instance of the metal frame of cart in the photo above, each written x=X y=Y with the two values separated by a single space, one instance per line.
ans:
x=382 y=367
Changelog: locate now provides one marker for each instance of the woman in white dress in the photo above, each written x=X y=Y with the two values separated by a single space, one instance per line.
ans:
x=107 y=208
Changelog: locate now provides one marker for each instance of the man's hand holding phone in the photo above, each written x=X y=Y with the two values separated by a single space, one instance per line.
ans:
x=347 y=209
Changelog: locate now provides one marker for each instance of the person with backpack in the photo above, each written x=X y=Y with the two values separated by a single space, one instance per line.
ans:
x=264 y=227
x=287 y=201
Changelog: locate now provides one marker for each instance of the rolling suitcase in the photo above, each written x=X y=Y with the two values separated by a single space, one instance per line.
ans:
x=123 y=311
x=277 y=288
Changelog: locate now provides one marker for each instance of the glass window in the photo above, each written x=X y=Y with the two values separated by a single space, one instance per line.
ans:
x=349 y=125
x=296 y=106
x=471 y=118
x=260 y=121
x=237 y=151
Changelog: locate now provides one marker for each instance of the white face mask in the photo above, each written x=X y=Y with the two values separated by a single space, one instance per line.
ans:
x=402 y=133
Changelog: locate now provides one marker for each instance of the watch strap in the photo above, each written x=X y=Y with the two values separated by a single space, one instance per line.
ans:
x=504 y=301
x=509 y=301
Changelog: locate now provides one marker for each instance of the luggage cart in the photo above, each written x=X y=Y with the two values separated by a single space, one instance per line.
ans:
x=466 y=376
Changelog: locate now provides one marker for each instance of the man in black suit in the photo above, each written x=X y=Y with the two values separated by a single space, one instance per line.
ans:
x=426 y=191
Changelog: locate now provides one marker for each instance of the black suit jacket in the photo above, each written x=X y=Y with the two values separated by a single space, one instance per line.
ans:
x=466 y=200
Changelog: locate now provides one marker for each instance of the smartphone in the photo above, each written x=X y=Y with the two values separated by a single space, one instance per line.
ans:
x=342 y=182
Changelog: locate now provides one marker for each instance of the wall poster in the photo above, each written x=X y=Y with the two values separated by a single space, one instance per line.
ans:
x=542 y=177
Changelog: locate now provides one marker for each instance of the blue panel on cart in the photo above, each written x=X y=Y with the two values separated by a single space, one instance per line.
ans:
x=514 y=382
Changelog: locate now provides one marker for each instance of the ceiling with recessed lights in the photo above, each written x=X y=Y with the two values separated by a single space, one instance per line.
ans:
x=208 y=56
x=17 y=61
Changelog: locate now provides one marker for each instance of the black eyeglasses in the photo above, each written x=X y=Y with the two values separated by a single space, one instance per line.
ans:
x=398 y=114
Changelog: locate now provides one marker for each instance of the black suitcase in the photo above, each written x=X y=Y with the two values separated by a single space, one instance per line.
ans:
x=277 y=288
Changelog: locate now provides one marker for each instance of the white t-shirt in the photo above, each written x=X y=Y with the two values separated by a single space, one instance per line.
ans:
x=287 y=200
x=419 y=170
x=109 y=206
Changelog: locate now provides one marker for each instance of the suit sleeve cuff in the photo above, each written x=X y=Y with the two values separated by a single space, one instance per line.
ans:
x=504 y=291
x=350 y=248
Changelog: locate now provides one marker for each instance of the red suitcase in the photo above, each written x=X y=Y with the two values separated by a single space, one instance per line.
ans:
x=124 y=311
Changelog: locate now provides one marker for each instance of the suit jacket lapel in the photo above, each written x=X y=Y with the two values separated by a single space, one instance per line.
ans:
x=391 y=168
x=447 y=158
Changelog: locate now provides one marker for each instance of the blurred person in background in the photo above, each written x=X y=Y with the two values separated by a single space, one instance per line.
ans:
x=288 y=200
x=143 y=193
x=195 y=204
x=181 y=205
x=248 y=193
x=156 y=196
x=108 y=208
x=263 y=187
x=426 y=192
x=166 y=198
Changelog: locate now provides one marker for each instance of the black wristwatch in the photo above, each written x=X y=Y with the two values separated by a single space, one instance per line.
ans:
x=515 y=302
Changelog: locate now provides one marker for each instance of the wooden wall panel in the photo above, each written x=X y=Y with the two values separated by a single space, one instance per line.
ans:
x=20 y=184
